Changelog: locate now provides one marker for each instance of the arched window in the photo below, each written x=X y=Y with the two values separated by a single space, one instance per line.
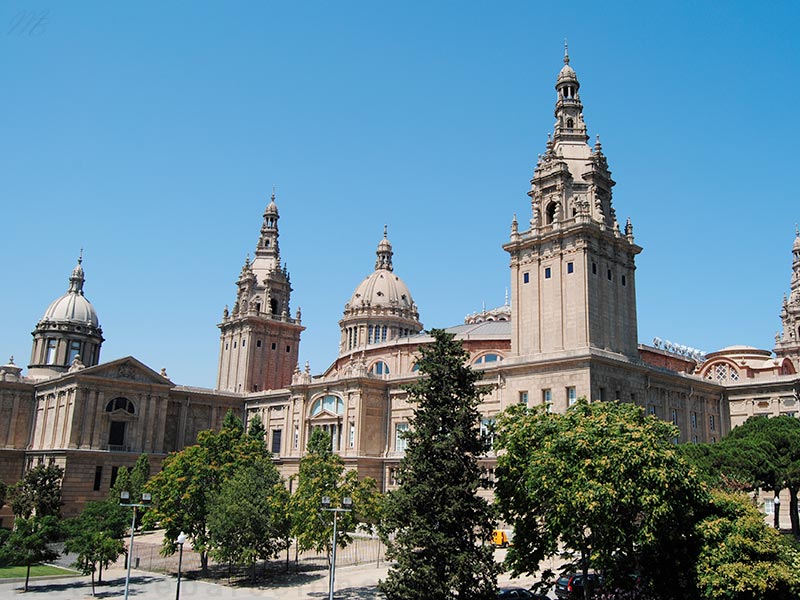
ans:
x=415 y=368
x=379 y=368
x=570 y=124
x=120 y=404
x=330 y=403
x=487 y=358
x=550 y=213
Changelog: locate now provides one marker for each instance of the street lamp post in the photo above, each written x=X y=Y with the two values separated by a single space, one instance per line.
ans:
x=181 y=541
x=347 y=506
x=777 y=508
x=124 y=500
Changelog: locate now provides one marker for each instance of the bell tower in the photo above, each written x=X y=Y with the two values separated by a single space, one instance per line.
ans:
x=787 y=343
x=573 y=270
x=259 y=341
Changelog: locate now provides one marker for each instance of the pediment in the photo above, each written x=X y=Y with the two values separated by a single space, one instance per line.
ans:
x=326 y=415
x=126 y=369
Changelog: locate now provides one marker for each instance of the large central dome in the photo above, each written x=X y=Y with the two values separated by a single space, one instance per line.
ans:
x=381 y=307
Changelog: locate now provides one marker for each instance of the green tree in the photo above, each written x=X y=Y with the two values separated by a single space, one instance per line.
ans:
x=742 y=558
x=247 y=518
x=31 y=542
x=3 y=492
x=778 y=438
x=38 y=492
x=322 y=473
x=255 y=428
x=134 y=482
x=95 y=536
x=604 y=482
x=183 y=489
x=436 y=526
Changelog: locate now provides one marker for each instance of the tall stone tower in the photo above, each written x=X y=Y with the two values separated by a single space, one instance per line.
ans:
x=68 y=333
x=259 y=341
x=787 y=343
x=573 y=272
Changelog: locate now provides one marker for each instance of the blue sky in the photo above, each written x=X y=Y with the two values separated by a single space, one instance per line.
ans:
x=151 y=134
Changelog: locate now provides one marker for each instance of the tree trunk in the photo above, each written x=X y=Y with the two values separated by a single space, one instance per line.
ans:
x=100 y=573
x=27 y=576
x=204 y=562
x=793 y=512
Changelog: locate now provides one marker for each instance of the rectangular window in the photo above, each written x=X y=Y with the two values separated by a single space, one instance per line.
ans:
x=243 y=343
x=602 y=394
x=711 y=424
x=594 y=268
x=694 y=439
x=116 y=434
x=570 y=267
x=258 y=343
x=296 y=436
x=351 y=437
x=114 y=471
x=288 y=348
x=274 y=346
x=572 y=396
x=393 y=476
x=276 y=440
x=547 y=399
x=74 y=350
x=526 y=277
x=694 y=420
x=399 y=437
x=487 y=430
x=50 y=356
x=609 y=274
x=523 y=398
x=769 y=506
x=98 y=477
x=651 y=410
x=547 y=272
x=674 y=417
x=624 y=281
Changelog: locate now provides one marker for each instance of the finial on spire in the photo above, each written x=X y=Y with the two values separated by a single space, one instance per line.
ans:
x=385 y=231
x=796 y=230
x=566 y=52
x=80 y=256
x=273 y=193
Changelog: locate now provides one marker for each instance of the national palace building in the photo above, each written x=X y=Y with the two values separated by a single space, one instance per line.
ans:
x=568 y=330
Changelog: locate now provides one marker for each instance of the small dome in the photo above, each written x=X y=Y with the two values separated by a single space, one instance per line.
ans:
x=567 y=73
x=72 y=307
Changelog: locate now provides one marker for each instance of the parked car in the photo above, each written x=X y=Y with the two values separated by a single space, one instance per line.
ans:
x=519 y=593
x=571 y=586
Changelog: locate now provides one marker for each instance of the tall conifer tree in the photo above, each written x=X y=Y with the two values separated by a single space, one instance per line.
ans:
x=441 y=527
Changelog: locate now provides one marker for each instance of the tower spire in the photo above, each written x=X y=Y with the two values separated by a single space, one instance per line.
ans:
x=566 y=52
x=384 y=253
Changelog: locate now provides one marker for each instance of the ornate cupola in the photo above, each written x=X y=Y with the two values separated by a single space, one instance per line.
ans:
x=381 y=308
x=573 y=270
x=68 y=333
x=787 y=342
x=259 y=340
